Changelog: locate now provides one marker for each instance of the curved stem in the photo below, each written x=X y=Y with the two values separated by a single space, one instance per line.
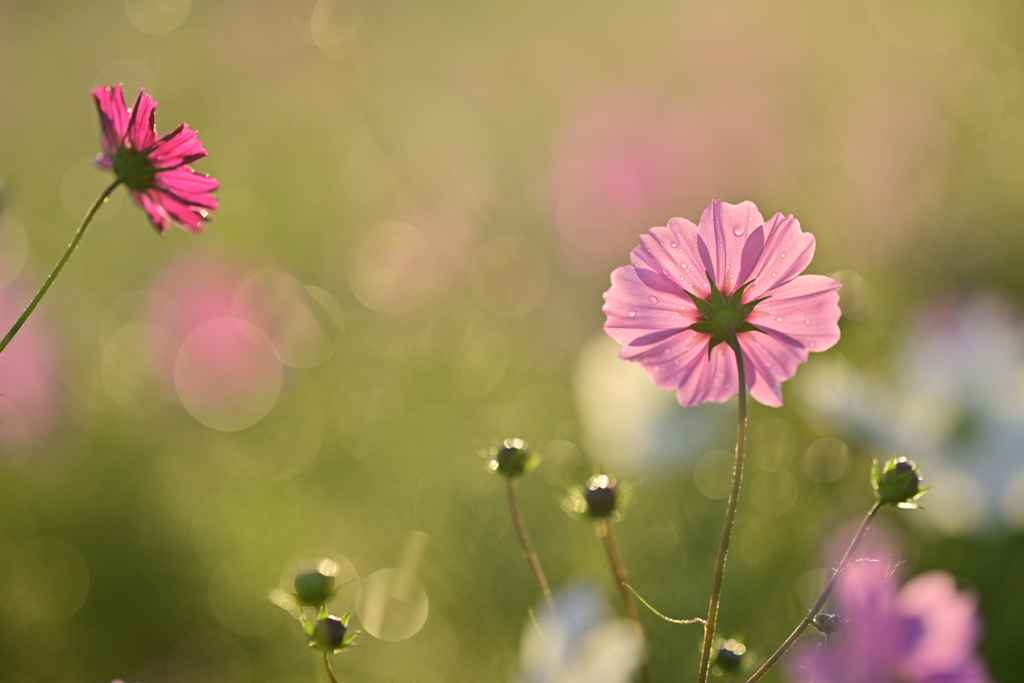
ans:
x=604 y=532
x=730 y=516
x=809 y=617
x=60 y=265
x=528 y=552
x=330 y=671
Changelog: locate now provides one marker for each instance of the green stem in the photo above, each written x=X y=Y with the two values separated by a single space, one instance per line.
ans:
x=604 y=532
x=730 y=516
x=809 y=617
x=60 y=265
x=330 y=671
x=524 y=542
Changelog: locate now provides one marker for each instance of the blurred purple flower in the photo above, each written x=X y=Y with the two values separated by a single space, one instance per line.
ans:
x=155 y=170
x=778 y=317
x=924 y=632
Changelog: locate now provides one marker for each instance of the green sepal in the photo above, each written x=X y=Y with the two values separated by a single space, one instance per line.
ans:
x=307 y=625
x=705 y=308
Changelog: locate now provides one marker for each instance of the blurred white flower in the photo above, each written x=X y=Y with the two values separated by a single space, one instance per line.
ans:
x=956 y=406
x=631 y=426
x=579 y=645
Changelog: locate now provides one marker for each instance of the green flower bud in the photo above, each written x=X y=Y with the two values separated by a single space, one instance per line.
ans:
x=897 y=482
x=512 y=458
x=313 y=588
x=329 y=634
x=601 y=495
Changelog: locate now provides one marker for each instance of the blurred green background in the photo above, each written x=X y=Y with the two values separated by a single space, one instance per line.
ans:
x=421 y=204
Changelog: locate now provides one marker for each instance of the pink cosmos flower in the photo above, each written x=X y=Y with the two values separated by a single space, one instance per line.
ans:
x=155 y=170
x=693 y=292
x=926 y=632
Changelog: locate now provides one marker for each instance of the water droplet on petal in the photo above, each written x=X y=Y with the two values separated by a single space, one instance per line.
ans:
x=654 y=299
x=675 y=245
x=774 y=274
x=807 y=321
x=778 y=319
x=782 y=255
x=813 y=344
x=738 y=230
x=632 y=314
x=683 y=266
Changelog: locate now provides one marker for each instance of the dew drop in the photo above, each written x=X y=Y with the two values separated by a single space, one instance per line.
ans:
x=664 y=271
x=683 y=266
x=654 y=299
x=675 y=245
x=782 y=255
x=813 y=344
x=807 y=321
x=738 y=230
x=778 y=319
x=774 y=274
x=632 y=314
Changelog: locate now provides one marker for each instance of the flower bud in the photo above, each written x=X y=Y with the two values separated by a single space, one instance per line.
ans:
x=601 y=494
x=512 y=458
x=329 y=634
x=313 y=588
x=897 y=482
x=828 y=623
x=729 y=655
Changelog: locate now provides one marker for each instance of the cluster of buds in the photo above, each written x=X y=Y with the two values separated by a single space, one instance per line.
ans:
x=315 y=588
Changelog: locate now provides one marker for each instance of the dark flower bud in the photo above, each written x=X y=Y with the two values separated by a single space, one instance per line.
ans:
x=313 y=587
x=512 y=458
x=828 y=623
x=729 y=655
x=329 y=634
x=601 y=494
x=897 y=482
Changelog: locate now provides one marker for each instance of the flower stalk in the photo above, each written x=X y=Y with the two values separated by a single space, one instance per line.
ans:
x=330 y=671
x=829 y=587
x=730 y=514
x=524 y=542
x=79 y=234
x=604 y=532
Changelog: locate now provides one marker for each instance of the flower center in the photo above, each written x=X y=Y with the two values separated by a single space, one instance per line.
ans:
x=723 y=317
x=133 y=168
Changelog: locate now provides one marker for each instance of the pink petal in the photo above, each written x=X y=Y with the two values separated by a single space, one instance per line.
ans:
x=165 y=210
x=787 y=251
x=672 y=252
x=632 y=313
x=189 y=186
x=718 y=380
x=772 y=361
x=180 y=146
x=113 y=120
x=725 y=228
x=950 y=623
x=142 y=124
x=806 y=309
x=672 y=361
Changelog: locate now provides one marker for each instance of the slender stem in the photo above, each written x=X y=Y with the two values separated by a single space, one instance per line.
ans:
x=524 y=541
x=60 y=265
x=604 y=532
x=809 y=617
x=730 y=516
x=330 y=671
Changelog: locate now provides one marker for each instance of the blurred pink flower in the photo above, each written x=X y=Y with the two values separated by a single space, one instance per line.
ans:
x=627 y=158
x=156 y=171
x=29 y=392
x=925 y=632
x=224 y=367
x=691 y=286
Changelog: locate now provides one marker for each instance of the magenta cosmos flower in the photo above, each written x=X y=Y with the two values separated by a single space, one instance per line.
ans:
x=693 y=291
x=925 y=632
x=155 y=170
